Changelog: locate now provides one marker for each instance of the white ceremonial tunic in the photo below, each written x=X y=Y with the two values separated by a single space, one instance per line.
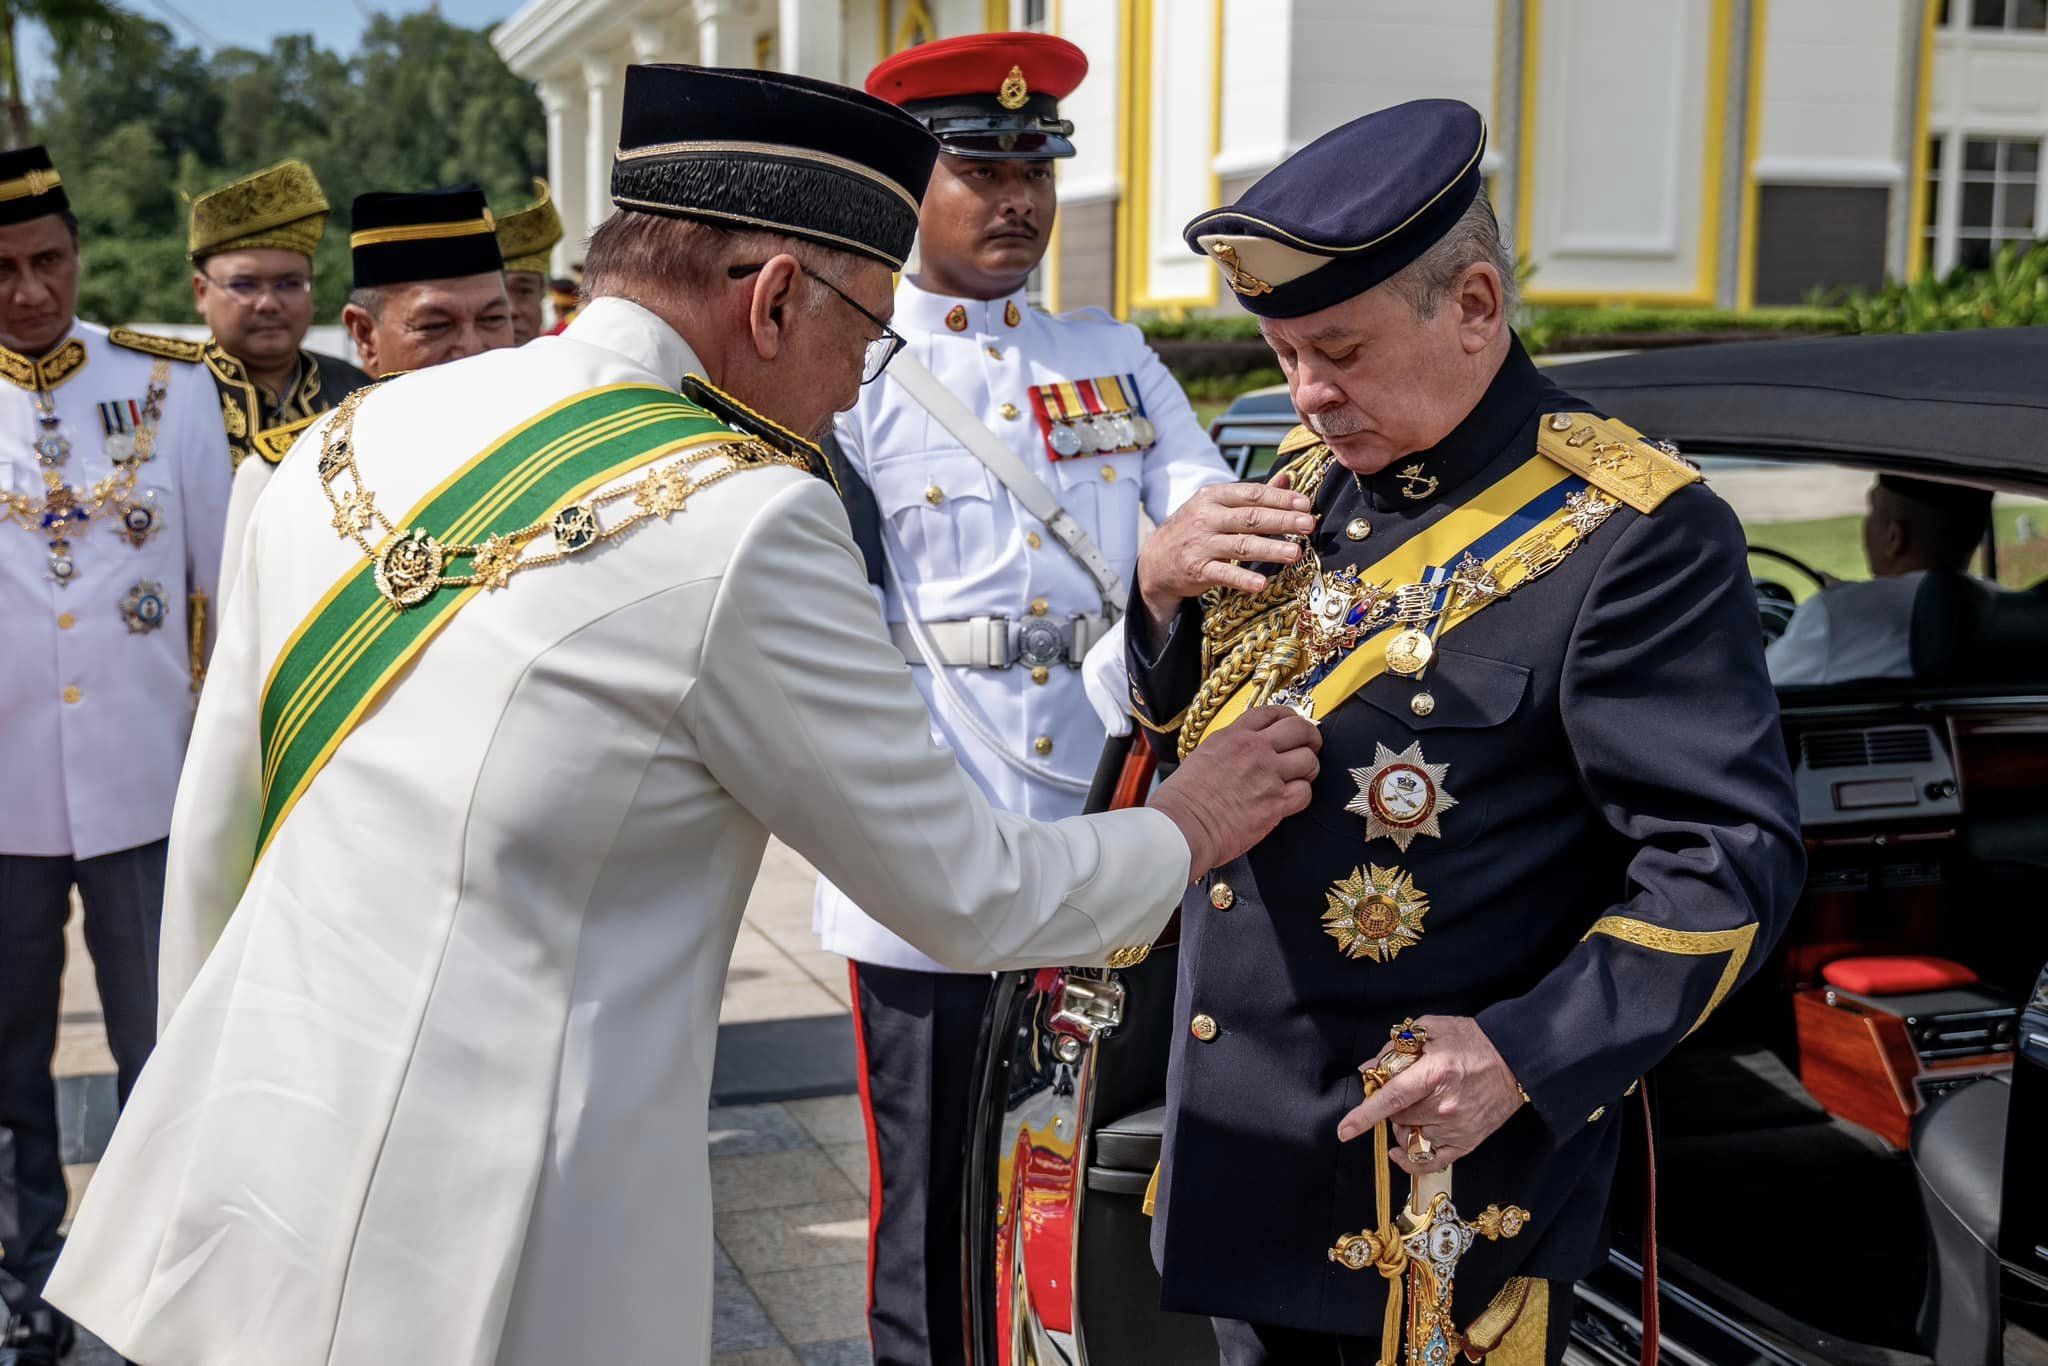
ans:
x=96 y=702
x=969 y=551
x=438 y=1093
x=252 y=476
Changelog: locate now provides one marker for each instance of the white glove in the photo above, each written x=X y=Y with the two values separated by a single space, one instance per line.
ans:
x=1108 y=682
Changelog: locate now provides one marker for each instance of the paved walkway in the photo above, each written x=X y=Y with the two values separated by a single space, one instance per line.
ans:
x=789 y=1177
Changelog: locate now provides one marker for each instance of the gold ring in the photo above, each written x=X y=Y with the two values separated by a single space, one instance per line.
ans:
x=1420 y=1150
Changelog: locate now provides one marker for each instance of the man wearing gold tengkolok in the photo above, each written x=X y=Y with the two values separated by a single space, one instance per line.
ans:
x=1474 y=586
x=252 y=243
x=545 y=643
x=527 y=239
x=113 y=486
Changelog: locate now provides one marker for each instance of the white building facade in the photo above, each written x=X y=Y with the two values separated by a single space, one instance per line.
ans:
x=1716 y=153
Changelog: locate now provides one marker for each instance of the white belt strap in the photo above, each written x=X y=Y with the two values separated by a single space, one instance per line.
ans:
x=970 y=431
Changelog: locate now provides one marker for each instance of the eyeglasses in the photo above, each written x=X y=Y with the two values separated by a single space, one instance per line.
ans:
x=881 y=350
x=247 y=289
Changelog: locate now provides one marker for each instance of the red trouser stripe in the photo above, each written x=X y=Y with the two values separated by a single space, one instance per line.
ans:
x=867 y=1117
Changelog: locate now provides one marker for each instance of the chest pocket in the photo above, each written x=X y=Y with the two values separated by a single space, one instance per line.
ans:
x=1472 y=695
x=1105 y=494
x=941 y=508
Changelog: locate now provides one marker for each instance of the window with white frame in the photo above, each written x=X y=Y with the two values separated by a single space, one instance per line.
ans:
x=1982 y=193
x=2008 y=16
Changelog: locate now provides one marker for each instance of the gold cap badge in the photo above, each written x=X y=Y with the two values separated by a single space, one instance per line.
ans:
x=1014 y=92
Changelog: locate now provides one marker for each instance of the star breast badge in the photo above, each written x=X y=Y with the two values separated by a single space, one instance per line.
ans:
x=1401 y=795
x=1375 y=913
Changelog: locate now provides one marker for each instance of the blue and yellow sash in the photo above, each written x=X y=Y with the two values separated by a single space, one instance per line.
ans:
x=1575 y=453
x=355 y=642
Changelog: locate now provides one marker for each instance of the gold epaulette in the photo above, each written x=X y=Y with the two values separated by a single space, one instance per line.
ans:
x=1298 y=440
x=273 y=442
x=170 y=348
x=1614 y=458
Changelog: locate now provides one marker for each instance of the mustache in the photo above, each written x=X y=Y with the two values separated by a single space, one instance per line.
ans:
x=1338 y=422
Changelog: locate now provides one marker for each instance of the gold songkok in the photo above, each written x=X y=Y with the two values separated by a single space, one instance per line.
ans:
x=526 y=237
x=280 y=207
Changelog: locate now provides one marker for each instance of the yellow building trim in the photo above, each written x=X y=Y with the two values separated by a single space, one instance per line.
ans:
x=995 y=16
x=1752 y=123
x=1923 y=102
x=1139 y=159
x=1720 y=35
x=916 y=26
x=1050 y=295
x=1120 y=277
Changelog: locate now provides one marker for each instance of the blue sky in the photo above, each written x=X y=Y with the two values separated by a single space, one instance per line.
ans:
x=337 y=24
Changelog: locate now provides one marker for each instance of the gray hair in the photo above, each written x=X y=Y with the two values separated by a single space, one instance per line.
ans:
x=1428 y=280
x=371 y=299
x=649 y=257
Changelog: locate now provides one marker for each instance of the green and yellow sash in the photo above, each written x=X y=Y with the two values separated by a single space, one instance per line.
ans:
x=355 y=642
x=1575 y=452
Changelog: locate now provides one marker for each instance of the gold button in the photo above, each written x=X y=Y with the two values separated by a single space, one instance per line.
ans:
x=1422 y=704
x=65 y=621
x=1041 y=675
x=1357 y=529
x=1033 y=539
x=993 y=353
x=934 y=495
x=72 y=694
x=1039 y=607
x=1008 y=410
x=1109 y=474
x=1594 y=1118
x=1202 y=1027
x=1043 y=744
x=1222 y=896
x=1560 y=422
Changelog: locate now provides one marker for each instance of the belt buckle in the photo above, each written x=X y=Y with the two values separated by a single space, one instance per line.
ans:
x=1042 y=642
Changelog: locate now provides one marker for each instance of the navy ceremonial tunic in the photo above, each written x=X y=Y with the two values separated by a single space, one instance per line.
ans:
x=1624 y=845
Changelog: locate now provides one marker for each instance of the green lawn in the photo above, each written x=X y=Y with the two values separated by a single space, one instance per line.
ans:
x=1834 y=545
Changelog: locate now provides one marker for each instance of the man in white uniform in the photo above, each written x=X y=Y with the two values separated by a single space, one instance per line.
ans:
x=114 y=470
x=540 y=653
x=1864 y=629
x=979 y=579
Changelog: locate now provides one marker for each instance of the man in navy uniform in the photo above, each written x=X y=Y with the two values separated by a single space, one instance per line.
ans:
x=113 y=485
x=1555 y=819
x=1005 y=566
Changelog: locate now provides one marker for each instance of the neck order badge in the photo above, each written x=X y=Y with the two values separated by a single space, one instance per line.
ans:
x=357 y=640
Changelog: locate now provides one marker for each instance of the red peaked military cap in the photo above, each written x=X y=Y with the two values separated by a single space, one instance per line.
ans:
x=993 y=95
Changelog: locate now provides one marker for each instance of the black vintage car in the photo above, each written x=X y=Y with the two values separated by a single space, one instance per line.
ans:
x=1845 y=1172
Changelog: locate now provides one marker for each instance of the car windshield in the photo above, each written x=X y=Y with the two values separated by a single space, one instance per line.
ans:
x=1814 y=513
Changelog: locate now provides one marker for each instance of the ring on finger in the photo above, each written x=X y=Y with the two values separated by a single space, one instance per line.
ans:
x=1420 y=1150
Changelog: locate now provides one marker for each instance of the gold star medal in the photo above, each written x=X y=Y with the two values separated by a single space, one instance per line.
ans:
x=1375 y=913
x=1400 y=795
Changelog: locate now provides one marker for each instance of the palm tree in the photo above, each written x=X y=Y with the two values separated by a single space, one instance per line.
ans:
x=71 y=24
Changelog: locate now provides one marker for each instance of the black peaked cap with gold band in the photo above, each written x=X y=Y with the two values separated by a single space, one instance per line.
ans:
x=775 y=152
x=280 y=207
x=396 y=238
x=1349 y=210
x=30 y=186
x=525 y=238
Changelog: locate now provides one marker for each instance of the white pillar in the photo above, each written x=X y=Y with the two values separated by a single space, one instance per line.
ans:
x=602 y=76
x=561 y=98
x=725 y=34
x=650 y=42
x=809 y=39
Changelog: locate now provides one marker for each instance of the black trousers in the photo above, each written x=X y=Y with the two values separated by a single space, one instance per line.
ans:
x=917 y=1033
x=123 y=894
x=1257 y=1344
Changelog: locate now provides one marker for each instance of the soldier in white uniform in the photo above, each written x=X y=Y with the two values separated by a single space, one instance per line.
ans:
x=114 y=469
x=540 y=652
x=982 y=590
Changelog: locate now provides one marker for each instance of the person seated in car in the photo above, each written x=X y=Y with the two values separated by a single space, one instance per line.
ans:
x=1864 y=630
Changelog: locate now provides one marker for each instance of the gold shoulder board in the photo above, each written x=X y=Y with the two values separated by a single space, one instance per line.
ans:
x=1298 y=440
x=1614 y=458
x=170 y=348
x=272 y=442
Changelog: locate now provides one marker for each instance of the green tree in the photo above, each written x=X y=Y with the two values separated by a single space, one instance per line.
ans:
x=74 y=26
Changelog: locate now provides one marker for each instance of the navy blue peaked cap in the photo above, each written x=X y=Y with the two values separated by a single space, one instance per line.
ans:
x=761 y=149
x=1347 y=211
